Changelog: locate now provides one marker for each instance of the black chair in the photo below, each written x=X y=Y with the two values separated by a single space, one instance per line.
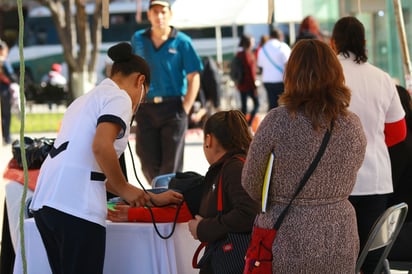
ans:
x=400 y=257
x=403 y=266
x=382 y=235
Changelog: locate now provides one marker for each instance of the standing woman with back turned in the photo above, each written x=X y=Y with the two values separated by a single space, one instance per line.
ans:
x=69 y=203
x=247 y=87
x=319 y=233
x=376 y=102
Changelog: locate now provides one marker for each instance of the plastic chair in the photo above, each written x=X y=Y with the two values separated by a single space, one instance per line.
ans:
x=162 y=181
x=383 y=234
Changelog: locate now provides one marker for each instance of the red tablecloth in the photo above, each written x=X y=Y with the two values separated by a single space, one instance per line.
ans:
x=13 y=173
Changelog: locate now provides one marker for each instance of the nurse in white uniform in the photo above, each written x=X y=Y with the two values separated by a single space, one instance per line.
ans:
x=69 y=203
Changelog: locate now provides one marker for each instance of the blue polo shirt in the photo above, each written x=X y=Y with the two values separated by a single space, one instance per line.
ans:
x=169 y=64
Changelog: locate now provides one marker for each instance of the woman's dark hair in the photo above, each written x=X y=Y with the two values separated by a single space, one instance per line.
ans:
x=319 y=93
x=349 y=36
x=309 y=28
x=245 y=41
x=126 y=63
x=230 y=128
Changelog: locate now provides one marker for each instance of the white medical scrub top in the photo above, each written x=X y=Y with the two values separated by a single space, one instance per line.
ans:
x=70 y=179
x=375 y=100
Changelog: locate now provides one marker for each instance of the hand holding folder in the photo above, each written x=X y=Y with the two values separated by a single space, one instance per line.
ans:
x=266 y=181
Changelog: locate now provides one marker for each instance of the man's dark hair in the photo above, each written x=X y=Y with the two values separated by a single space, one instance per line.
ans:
x=349 y=36
x=276 y=33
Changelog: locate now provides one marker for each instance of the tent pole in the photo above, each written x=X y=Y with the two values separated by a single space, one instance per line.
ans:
x=235 y=37
x=404 y=45
x=105 y=14
x=219 y=51
x=292 y=33
x=271 y=11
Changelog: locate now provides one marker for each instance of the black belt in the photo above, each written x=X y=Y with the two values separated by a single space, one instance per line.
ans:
x=162 y=99
x=97 y=176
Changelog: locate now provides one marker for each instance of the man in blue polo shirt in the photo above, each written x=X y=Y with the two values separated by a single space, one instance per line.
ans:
x=162 y=120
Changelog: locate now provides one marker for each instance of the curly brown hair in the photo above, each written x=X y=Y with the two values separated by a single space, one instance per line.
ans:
x=314 y=83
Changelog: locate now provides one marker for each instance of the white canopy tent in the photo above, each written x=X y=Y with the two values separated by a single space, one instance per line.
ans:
x=218 y=13
x=206 y=13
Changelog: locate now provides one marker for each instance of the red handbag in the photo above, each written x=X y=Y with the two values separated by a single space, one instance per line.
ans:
x=259 y=254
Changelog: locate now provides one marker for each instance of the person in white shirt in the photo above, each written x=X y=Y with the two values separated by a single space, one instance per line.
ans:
x=375 y=100
x=69 y=203
x=54 y=86
x=272 y=59
x=55 y=77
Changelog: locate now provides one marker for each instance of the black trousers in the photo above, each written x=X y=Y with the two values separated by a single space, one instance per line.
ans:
x=5 y=113
x=7 y=255
x=368 y=209
x=273 y=90
x=73 y=245
x=243 y=99
x=160 y=137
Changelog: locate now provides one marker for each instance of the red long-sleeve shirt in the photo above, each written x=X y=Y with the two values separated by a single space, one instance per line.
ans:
x=249 y=70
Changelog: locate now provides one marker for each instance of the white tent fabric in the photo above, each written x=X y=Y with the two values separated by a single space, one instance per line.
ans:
x=206 y=13
x=217 y=13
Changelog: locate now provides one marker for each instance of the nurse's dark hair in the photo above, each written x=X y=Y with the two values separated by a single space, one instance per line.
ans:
x=230 y=128
x=126 y=63
x=349 y=36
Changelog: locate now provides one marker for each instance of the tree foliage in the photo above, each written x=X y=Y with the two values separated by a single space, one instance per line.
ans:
x=80 y=39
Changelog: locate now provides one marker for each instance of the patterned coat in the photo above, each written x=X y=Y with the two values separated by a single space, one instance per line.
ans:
x=319 y=234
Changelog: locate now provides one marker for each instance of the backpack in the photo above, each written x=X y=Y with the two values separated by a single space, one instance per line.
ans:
x=236 y=70
x=210 y=81
x=191 y=184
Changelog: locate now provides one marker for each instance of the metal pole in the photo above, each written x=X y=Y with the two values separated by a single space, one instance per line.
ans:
x=404 y=45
